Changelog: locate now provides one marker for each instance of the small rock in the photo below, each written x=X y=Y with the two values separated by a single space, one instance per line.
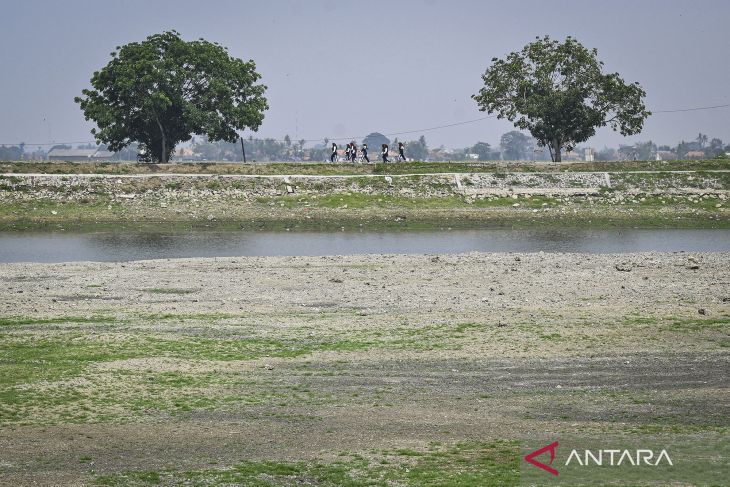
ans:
x=336 y=280
x=54 y=212
x=623 y=267
x=702 y=311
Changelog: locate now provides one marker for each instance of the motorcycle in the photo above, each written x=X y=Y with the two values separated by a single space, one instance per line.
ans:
x=143 y=156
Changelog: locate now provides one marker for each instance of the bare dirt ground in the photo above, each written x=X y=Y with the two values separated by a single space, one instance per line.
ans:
x=192 y=363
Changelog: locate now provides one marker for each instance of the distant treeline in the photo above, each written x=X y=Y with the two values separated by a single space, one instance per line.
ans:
x=513 y=145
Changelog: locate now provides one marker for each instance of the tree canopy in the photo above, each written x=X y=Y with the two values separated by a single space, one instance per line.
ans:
x=161 y=91
x=375 y=139
x=558 y=91
x=417 y=149
x=483 y=151
x=12 y=153
x=516 y=146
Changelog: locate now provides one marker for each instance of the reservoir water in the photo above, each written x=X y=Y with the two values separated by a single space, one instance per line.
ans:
x=122 y=246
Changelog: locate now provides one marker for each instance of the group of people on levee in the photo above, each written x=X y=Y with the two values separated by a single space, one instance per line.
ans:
x=351 y=152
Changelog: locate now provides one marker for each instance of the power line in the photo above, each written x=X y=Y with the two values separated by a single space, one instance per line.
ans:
x=454 y=124
x=50 y=143
x=406 y=132
x=691 y=109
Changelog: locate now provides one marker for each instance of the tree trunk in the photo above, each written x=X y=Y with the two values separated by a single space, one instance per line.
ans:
x=163 y=158
x=555 y=152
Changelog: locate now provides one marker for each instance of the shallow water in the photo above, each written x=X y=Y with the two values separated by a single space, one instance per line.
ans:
x=121 y=246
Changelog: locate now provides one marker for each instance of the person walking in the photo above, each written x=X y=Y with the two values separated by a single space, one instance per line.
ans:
x=365 y=153
x=354 y=152
x=334 y=152
x=401 y=148
x=385 y=153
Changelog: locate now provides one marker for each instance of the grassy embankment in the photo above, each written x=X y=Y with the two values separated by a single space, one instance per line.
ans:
x=368 y=211
x=346 y=169
x=632 y=201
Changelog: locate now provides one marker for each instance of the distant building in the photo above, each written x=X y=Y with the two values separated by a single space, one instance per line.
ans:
x=103 y=155
x=695 y=154
x=665 y=155
x=79 y=155
x=185 y=154
x=570 y=156
x=628 y=153
x=588 y=155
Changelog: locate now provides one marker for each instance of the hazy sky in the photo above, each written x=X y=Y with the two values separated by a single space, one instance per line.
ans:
x=348 y=68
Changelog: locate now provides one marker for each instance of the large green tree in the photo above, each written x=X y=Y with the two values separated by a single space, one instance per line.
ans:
x=161 y=91
x=558 y=91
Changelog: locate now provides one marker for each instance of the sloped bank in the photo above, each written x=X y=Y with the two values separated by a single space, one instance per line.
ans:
x=646 y=198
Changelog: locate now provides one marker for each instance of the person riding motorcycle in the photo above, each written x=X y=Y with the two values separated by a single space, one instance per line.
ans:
x=143 y=155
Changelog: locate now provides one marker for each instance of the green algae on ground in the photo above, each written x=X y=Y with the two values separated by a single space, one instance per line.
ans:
x=477 y=464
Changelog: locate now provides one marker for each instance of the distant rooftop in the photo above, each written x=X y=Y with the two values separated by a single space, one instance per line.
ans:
x=72 y=152
x=80 y=153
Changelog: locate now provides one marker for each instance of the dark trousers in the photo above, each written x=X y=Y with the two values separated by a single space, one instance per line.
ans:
x=365 y=156
x=332 y=157
x=402 y=156
x=385 y=158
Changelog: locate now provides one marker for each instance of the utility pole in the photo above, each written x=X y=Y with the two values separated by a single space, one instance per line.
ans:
x=243 y=150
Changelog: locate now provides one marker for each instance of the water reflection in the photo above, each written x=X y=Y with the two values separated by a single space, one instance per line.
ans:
x=120 y=246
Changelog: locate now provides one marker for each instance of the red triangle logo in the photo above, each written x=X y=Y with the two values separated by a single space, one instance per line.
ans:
x=530 y=458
